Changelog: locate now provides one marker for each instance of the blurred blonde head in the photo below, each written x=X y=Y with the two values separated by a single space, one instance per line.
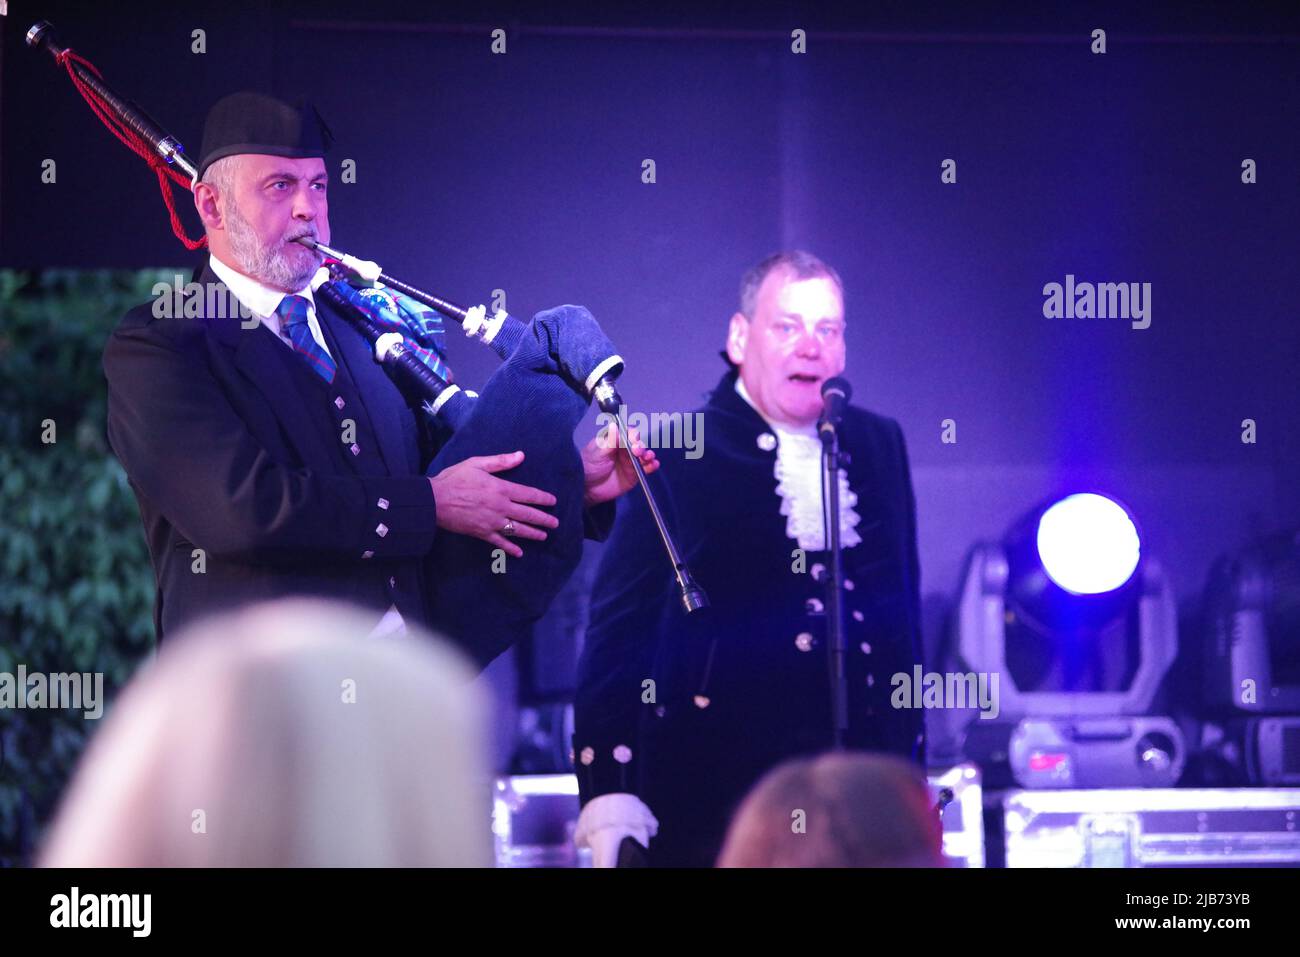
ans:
x=837 y=810
x=279 y=735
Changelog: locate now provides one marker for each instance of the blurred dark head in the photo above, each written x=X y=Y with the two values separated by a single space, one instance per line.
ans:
x=837 y=810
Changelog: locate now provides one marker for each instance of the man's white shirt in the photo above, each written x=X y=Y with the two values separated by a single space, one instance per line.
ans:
x=262 y=301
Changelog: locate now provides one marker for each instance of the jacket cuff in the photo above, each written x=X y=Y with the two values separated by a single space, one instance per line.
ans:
x=401 y=518
x=627 y=812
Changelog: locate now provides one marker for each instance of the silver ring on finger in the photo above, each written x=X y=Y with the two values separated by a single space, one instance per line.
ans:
x=508 y=528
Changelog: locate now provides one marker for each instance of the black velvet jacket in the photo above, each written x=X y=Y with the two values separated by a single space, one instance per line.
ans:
x=688 y=712
x=233 y=447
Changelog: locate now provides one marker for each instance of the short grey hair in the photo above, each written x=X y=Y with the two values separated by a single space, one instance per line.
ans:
x=800 y=264
x=221 y=173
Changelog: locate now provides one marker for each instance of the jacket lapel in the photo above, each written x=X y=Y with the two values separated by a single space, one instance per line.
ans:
x=256 y=356
x=381 y=402
x=259 y=357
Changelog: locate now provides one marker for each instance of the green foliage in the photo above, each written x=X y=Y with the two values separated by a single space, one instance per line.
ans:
x=76 y=585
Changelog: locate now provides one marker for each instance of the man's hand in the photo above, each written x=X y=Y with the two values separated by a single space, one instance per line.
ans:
x=470 y=500
x=607 y=468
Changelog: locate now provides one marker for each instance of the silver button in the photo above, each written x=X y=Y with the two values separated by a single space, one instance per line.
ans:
x=382 y=503
x=588 y=755
x=338 y=401
x=858 y=616
x=701 y=701
x=767 y=441
x=354 y=449
x=381 y=529
x=804 y=641
x=622 y=754
x=368 y=554
x=814 y=606
x=871 y=680
x=848 y=584
x=866 y=648
x=392 y=581
x=819 y=572
x=660 y=711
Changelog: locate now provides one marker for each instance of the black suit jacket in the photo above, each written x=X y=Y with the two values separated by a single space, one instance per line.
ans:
x=228 y=452
x=741 y=686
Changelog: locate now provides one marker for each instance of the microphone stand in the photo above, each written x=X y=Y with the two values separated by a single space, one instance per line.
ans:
x=835 y=644
x=689 y=592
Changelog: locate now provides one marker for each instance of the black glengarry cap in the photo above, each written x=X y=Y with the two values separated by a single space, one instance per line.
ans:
x=250 y=122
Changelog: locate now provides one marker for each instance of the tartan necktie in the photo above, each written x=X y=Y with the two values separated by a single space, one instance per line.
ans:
x=293 y=323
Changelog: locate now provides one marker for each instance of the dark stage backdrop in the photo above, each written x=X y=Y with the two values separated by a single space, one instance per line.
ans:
x=523 y=172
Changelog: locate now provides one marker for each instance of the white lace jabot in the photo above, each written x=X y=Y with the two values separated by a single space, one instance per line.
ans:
x=798 y=473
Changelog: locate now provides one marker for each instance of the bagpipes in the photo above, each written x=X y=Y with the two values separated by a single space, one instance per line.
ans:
x=552 y=367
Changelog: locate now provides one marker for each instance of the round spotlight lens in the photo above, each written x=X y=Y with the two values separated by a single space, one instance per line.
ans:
x=1088 y=544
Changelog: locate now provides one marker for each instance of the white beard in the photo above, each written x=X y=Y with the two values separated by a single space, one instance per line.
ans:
x=268 y=264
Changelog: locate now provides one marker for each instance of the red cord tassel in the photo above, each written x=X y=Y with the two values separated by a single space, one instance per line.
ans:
x=134 y=142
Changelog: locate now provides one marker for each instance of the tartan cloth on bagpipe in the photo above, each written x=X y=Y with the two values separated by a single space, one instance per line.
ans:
x=391 y=311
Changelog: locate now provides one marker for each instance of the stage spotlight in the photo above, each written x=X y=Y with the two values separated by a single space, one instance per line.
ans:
x=1252 y=656
x=1081 y=627
x=1073 y=568
x=1088 y=544
x=1253 y=641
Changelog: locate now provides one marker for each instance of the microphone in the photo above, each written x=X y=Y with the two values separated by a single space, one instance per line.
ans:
x=836 y=393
